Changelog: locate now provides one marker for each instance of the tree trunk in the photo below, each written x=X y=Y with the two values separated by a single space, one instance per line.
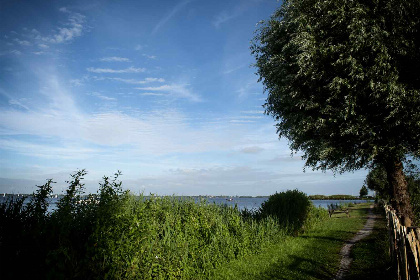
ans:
x=400 y=197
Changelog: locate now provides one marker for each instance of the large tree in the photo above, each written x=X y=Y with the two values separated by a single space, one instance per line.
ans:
x=343 y=83
x=377 y=181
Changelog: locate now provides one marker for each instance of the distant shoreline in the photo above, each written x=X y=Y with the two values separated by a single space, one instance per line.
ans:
x=339 y=197
x=311 y=197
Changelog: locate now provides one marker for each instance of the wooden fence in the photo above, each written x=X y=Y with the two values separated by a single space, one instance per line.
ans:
x=404 y=246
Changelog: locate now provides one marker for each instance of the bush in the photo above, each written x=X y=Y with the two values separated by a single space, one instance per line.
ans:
x=289 y=208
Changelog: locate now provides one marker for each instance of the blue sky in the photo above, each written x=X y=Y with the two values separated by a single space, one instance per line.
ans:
x=162 y=90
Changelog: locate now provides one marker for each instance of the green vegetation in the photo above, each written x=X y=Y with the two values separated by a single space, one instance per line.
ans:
x=312 y=255
x=343 y=84
x=371 y=259
x=336 y=197
x=363 y=191
x=377 y=181
x=332 y=197
x=292 y=210
x=115 y=235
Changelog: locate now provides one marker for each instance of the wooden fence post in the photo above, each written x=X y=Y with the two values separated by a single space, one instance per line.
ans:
x=404 y=246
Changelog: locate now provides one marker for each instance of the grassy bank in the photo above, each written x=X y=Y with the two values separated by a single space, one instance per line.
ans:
x=115 y=235
x=313 y=255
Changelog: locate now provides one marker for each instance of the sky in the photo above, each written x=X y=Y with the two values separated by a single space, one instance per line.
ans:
x=164 y=91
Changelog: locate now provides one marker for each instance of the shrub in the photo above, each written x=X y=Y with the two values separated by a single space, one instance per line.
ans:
x=289 y=208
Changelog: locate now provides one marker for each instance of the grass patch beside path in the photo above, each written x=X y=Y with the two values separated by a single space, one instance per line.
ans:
x=314 y=255
x=370 y=256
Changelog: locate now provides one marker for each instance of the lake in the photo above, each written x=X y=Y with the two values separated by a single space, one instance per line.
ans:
x=255 y=202
x=250 y=203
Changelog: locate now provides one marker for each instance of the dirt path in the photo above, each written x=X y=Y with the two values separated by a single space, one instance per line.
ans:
x=345 y=251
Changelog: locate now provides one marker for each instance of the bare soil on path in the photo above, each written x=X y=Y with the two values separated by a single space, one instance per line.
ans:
x=346 y=260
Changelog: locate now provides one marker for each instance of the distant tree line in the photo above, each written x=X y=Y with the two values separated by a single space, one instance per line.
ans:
x=336 y=197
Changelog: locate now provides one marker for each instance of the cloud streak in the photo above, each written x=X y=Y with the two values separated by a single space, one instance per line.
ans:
x=138 y=82
x=109 y=70
x=226 y=16
x=101 y=96
x=72 y=29
x=172 y=13
x=174 y=90
x=115 y=59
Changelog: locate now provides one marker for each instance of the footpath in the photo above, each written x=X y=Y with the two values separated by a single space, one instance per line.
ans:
x=346 y=260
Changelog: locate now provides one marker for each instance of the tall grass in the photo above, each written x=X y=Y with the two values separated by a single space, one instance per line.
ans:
x=116 y=235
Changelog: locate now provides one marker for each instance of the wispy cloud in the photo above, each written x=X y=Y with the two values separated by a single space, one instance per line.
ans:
x=250 y=117
x=173 y=12
x=241 y=121
x=19 y=103
x=47 y=151
x=72 y=28
x=257 y=112
x=233 y=69
x=13 y=101
x=174 y=90
x=22 y=42
x=64 y=10
x=217 y=181
x=252 y=150
x=16 y=52
x=115 y=58
x=76 y=82
x=138 y=82
x=225 y=16
x=101 y=96
x=247 y=88
x=153 y=94
x=109 y=70
x=149 y=56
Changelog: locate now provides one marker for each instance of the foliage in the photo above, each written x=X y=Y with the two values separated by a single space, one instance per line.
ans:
x=343 y=79
x=312 y=255
x=343 y=83
x=316 y=215
x=116 y=235
x=363 y=191
x=371 y=257
x=289 y=208
x=376 y=180
x=332 y=197
x=23 y=232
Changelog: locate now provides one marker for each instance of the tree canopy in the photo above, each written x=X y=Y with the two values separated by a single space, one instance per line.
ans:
x=343 y=81
x=363 y=191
